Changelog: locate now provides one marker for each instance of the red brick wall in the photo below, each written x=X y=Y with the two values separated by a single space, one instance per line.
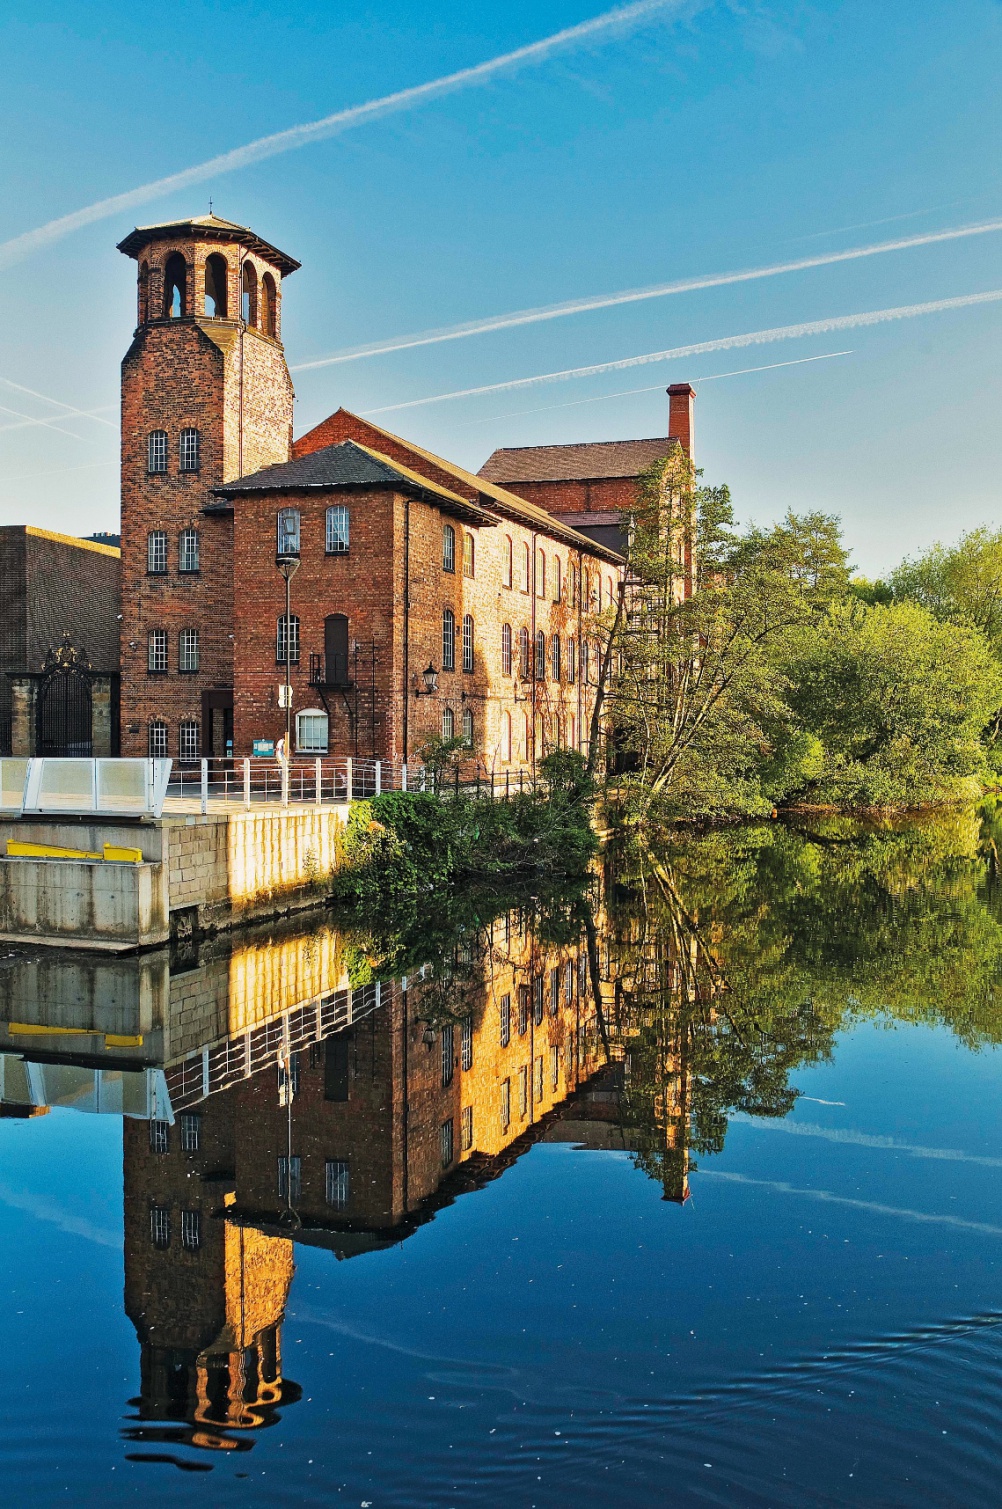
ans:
x=598 y=495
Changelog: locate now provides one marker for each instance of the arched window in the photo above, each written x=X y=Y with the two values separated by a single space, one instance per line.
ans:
x=187 y=650
x=467 y=642
x=506 y=649
x=469 y=554
x=311 y=731
x=509 y=560
x=269 y=306
x=448 y=548
x=557 y=582
x=585 y=590
x=523 y=654
x=144 y=292
x=571 y=731
x=158 y=740
x=189 y=745
x=287 y=640
x=156 y=552
x=175 y=287
x=156 y=451
x=555 y=657
x=468 y=727
x=187 y=553
x=287 y=542
x=540 y=669
x=610 y=595
x=215 y=286
x=526 y=569
x=448 y=723
x=248 y=300
x=448 y=640
x=540 y=573
x=585 y=667
x=570 y=660
x=572 y=585
x=506 y=737
x=338 y=538
x=189 y=450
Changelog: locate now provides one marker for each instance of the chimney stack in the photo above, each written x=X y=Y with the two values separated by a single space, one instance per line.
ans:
x=681 y=415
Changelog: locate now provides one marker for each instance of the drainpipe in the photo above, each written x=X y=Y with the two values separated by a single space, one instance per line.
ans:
x=240 y=386
x=533 y=586
x=407 y=625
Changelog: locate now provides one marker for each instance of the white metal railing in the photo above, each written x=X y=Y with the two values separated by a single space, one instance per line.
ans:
x=320 y=782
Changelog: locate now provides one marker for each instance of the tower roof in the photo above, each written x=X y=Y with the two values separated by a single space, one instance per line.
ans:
x=209 y=228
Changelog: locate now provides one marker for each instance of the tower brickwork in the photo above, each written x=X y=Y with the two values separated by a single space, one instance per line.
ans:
x=206 y=398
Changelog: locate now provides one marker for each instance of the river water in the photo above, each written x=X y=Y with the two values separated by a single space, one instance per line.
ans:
x=683 y=1190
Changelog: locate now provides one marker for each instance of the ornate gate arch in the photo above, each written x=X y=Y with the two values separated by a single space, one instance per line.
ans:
x=63 y=709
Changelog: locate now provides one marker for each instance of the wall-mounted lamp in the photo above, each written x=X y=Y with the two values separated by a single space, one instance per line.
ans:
x=430 y=678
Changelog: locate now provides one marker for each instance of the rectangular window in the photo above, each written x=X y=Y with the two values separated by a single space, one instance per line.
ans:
x=466 y=1049
x=189 y=742
x=311 y=732
x=467 y=642
x=337 y=530
x=159 y=1226
x=557 y=580
x=508 y=560
x=188 y=451
x=157 y=651
x=290 y=1178
x=338 y=1182
x=156 y=552
x=287 y=542
x=466 y=1128
x=156 y=451
x=448 y=640
x=448 y=548
x=469 y=554
x=555 y=1067
x=445 y=1143
x=569 y=981
x=191 y=1132
x=188 y=650
x=287 y=640
x=191 y=1229
x=523 y=1090
x=505 y=1021
x=524 y=998
x=159 y=1136
x=448 y=1056
x=505 y=1104
x=537 y=1000
x=158 y=741
x=187 y=555
x=583 y=975
x=540 y=573
x=555 y=657
x=570 y=660
x=554 y=989
x=539 y=1079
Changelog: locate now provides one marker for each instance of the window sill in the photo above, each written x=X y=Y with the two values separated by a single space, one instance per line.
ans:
x=155 y=673
x=157 y=573
x=187 y=670
x=335 y=555
x=182 y=571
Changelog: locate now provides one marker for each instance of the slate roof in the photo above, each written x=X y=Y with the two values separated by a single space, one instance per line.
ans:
x=588 y=461
x=499 y=499
x=213 y=228
x=351 y=465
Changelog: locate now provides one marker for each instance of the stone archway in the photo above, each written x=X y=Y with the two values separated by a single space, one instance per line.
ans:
x=64 y=703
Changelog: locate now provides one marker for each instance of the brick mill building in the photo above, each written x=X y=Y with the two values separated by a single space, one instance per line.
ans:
x=405 y=564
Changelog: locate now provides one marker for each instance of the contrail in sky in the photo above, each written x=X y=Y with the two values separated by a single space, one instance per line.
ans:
x=699 y=348
x=780 y=1187
x=639 y=295
x=58 y=403
x=332 y=125
x=576 y=403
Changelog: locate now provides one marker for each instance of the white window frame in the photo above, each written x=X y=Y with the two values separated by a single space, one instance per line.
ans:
x=189 y=742
x=188 y=650
x=189 y=449
x=338 y=529
x=156 y=452
x=188 y=552
x=156 y=552
x=313 y=717
x=157 y=651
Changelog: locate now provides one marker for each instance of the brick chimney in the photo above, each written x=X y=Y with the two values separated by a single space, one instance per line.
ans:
x=681 y=415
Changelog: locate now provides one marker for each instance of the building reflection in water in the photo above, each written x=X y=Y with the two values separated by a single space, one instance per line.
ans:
x=266 y=1102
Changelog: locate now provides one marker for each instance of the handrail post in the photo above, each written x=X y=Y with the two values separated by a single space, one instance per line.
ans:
x=246 y=763
x=403 y=776
x=379 y=776
x=285 y=782
x=319 y=781
x=205 y=786
x=350 y=794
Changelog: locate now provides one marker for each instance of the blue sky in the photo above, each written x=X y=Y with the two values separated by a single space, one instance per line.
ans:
x=703 y=138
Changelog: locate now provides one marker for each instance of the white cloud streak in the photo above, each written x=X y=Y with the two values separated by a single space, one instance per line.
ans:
x=26 y=420
x=874 y=1207
x=263 y=147
x=67 y=408
x=576 y=403
x=700 y=348
x=852 y=1138
x=639 y=295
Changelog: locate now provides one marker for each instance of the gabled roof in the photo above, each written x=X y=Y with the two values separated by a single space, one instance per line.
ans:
x=209 y=228
x=509 y=504
x=588 y=461
x=351 y=465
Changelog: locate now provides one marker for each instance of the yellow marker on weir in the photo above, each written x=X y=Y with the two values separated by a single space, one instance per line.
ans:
x=111 y=853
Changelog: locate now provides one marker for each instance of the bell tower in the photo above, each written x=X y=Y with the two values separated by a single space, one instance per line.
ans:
x=206 y=398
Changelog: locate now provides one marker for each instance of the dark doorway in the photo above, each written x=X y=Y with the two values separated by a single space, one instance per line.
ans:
x=336 y=649
x=217 y=724
x=64 y=714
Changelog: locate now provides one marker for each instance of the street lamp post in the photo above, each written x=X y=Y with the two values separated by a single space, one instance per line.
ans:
x=288 y=565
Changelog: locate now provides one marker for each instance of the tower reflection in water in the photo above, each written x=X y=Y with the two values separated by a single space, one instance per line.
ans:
x=267 y=1101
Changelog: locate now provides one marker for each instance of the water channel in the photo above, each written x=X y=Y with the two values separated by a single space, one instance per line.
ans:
x=682 y=1189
